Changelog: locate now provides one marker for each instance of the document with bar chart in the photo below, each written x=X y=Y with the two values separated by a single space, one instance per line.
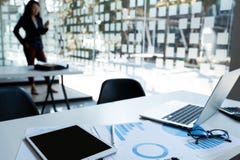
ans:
x=147 y=140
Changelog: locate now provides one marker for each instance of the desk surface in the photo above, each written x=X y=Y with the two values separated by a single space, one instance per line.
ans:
x=28 y=71
x=12 y=132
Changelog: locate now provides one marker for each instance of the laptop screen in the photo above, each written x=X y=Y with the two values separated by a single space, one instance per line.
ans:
x=219 y=94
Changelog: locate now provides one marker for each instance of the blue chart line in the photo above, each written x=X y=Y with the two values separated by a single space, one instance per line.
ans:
x=205 y=144
x=122 y=130
x=159 y=151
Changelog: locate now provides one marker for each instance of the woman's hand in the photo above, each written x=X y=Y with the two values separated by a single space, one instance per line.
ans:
x=46 y=25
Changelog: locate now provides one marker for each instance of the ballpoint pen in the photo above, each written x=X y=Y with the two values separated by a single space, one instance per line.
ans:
x=112 y=135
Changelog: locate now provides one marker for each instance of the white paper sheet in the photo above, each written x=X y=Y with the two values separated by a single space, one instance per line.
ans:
x=113 y=6
x=209 y=22
x=118 y=26
x=183 y=23
x=195 y=23
x=152 y=25
x=197 y=7
x=221 y=54
x=119 y=15
x=160 y=37
x=130 y=49
x=170 y=52
x=148 y=140
x=101 y=8
x=192 y=52
x=162 y=11
x=26 y=152
x=132 y=3
x=132 y=13
x=172 y=10
x=119 y=5
x=124 y=48
x=138 y=37
x=152 y=12
x=140 y=3
x=107 y=17
x=184 y=8
x=208 y=38
x=226 y=5
x=222 y=38
x=112 y=26
x=171 y=38
x=180 y=52
x=138 y=48
x=162 y=24
x=153 y=2
x=194 y=38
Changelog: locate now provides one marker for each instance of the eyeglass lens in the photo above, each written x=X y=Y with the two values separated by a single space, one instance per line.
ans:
x=202 y=134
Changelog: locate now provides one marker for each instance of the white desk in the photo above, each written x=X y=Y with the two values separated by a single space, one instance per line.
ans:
x=12 y=132
x=28 y=71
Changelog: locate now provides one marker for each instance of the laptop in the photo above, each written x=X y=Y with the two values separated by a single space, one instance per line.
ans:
x=190 y=115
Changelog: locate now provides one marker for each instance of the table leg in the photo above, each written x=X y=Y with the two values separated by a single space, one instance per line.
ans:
x=51 y=94
x=64 y=93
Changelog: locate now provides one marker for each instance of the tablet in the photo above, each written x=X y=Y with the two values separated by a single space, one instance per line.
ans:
x=71 y=142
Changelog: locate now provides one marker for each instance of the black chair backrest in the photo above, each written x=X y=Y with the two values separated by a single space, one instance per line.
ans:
x=16 y=103
x=119 y=89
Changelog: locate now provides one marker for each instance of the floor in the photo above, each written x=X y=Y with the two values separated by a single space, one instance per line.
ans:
x=77 y=99
x=154 y=80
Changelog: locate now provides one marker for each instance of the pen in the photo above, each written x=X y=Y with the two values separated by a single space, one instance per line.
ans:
x=112 y=135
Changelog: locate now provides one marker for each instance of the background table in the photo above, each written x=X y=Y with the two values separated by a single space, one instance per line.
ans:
x=28 y=71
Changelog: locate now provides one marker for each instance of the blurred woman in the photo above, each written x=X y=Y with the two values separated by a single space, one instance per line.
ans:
x=32 y=23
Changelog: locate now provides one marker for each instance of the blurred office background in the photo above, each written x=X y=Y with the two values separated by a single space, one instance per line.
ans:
x=146 y=39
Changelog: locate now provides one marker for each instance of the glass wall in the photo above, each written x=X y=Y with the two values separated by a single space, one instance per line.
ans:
x=8 y=18
x=170 y=33
x=163 y=33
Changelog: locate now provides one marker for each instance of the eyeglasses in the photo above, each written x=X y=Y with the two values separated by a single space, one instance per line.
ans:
x=200 y=133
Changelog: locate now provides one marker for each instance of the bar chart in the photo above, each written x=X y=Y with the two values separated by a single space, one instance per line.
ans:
x=122 y=130
x=205 y=144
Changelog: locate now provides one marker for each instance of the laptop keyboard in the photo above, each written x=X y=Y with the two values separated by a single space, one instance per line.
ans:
x=185 y=115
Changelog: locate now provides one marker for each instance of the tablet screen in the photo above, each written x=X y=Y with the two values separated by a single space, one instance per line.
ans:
x=69 y=143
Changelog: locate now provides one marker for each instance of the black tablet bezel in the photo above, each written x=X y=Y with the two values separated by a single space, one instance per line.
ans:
x=64 y=133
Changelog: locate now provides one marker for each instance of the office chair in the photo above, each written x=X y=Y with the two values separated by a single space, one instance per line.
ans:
x=119 y=89
x=15 y=103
